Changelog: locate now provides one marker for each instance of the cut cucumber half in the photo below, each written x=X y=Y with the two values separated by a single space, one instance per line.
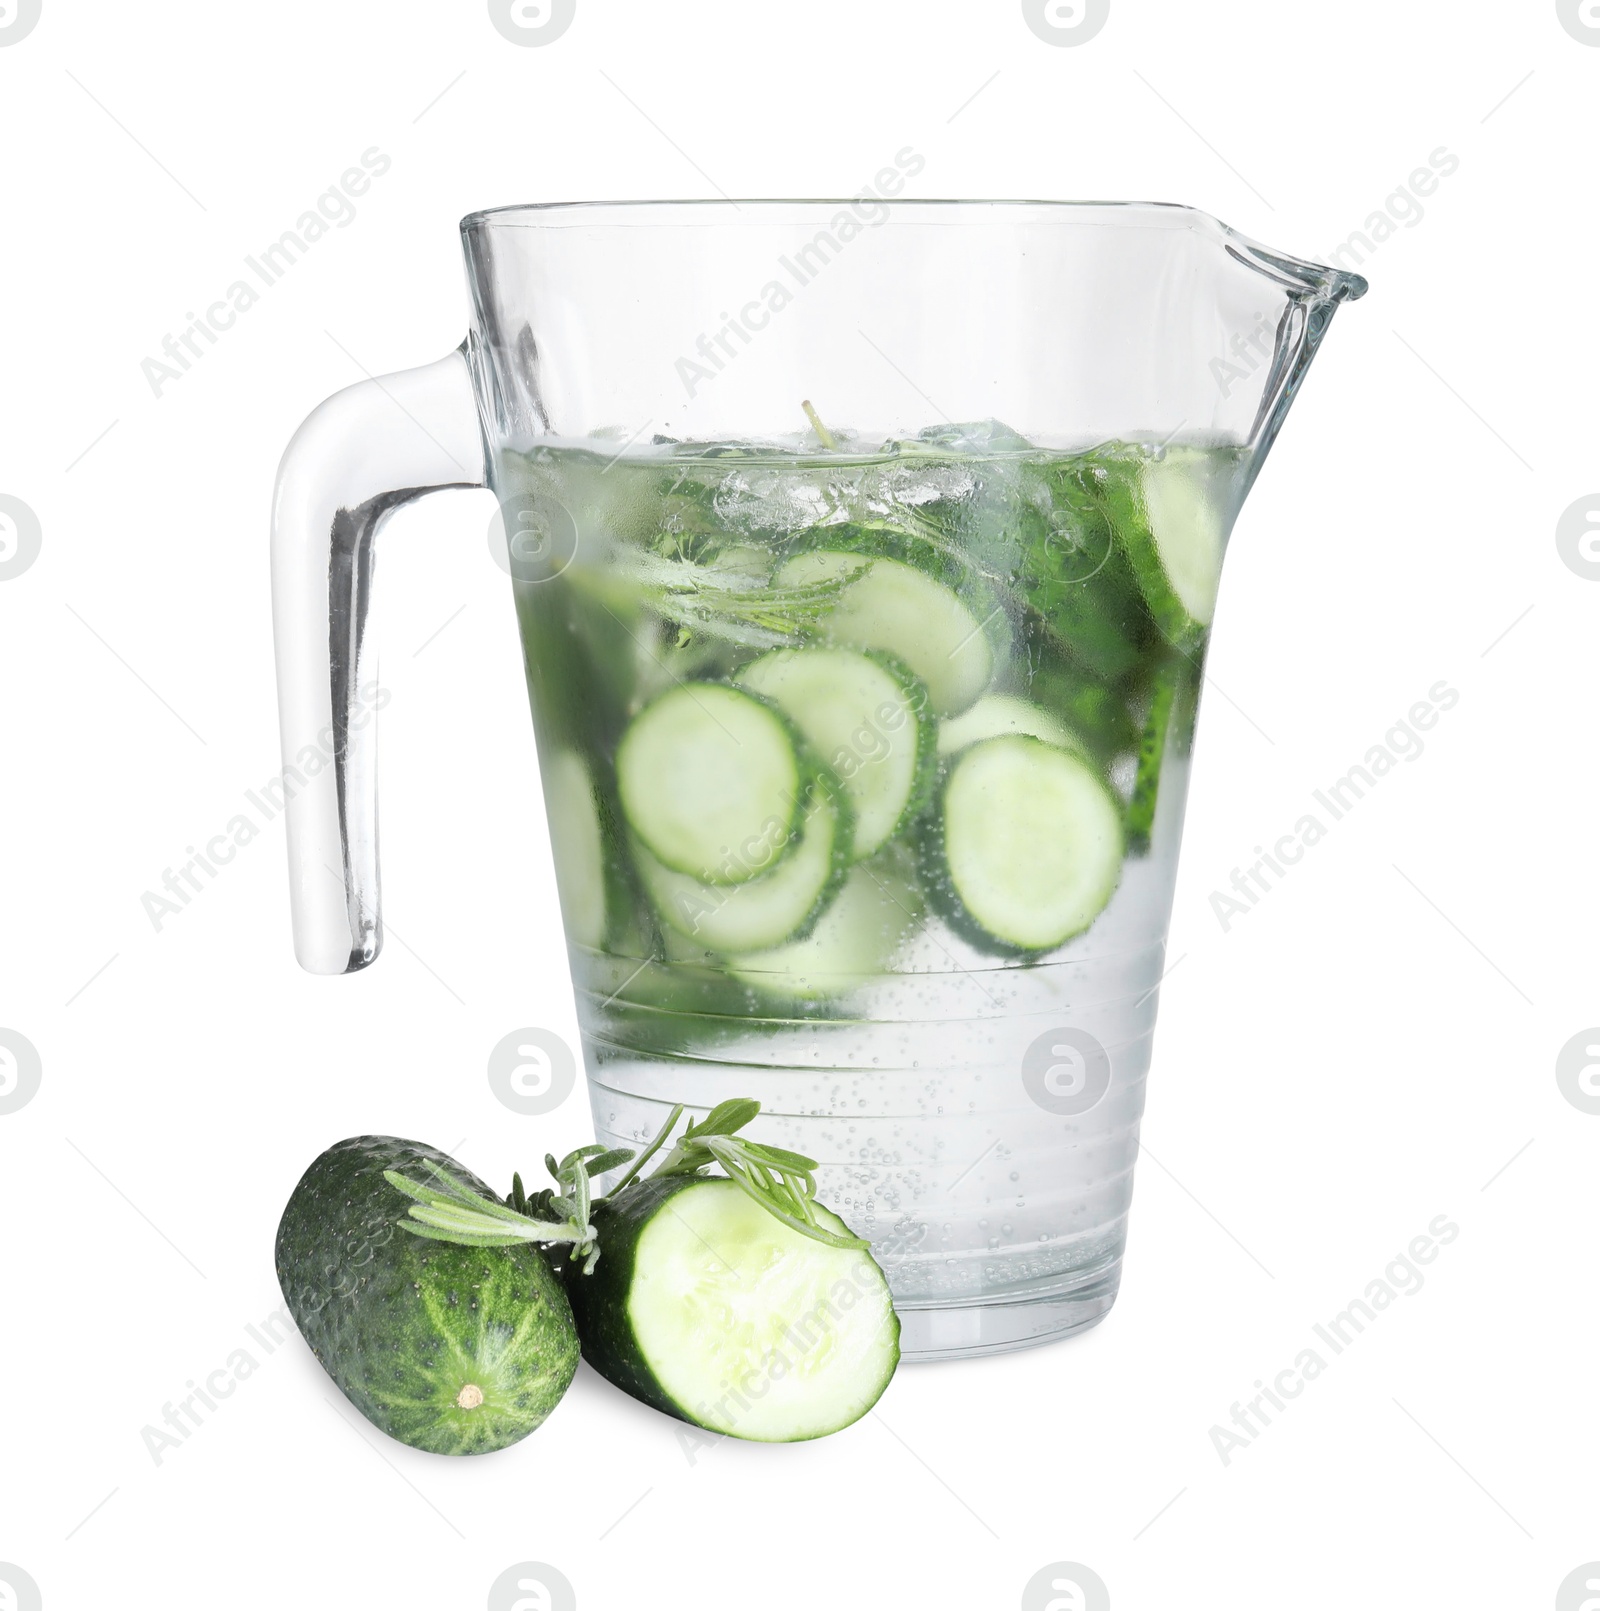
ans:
x=853 y=942
x=711 y=1309
x=1173 y=528
x=892 y=606
x=998 y=714
x=866 y=719
x=577 y=844
x=1030 y=841
x=710 y=782
x=763 y=912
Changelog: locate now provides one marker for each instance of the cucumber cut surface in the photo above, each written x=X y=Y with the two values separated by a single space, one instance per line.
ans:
x=762 y=912
x=577 y=843
x=997 y=714
x=710 y=782
x=711 y=1309
x=894 y=607
x=1174 y=528
x=867 y=721
x=1032 y=841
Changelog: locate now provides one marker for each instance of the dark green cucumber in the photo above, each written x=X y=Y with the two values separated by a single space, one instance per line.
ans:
x=710 y=1309
x=456 y=1350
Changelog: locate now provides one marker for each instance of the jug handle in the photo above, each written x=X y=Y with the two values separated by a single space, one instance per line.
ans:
x=360 y=455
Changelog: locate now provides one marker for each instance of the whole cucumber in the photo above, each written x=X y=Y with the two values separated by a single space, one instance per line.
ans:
x=456 y=1350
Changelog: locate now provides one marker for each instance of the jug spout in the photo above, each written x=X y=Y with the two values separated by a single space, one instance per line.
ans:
x=1274 y=322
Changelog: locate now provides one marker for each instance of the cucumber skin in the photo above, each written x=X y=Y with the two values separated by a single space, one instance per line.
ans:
x=355 y=1283
x=1141 y=813
x=600 y=1300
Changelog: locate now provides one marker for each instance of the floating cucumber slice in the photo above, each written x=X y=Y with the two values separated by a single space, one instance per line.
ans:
x=1030 y=842
x=1173 y=529
x=578 y=846
x=853 y=941
x=894 y=607
x=710 y=782
x=867 y=719
x=762 y=912
x=996 y=714
x=708 y=1307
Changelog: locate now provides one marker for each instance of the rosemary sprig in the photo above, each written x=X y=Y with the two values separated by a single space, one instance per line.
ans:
x=782 y=1182
x=732 y=604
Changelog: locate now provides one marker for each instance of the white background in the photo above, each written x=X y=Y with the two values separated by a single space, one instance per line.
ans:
x=1372 y=1046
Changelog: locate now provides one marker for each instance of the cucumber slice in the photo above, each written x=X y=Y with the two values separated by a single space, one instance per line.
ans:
x=1030 y=843
x=1173 y=528
x=866 y=719
x=780 y=905
x=710 y=782
x=853 y=941
x=578 y=844
x=1152 y=749
x=707 y=1307
x=996 y=714
x=894 y=607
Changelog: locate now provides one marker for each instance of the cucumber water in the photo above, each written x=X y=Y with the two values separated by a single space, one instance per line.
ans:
x=865 y=772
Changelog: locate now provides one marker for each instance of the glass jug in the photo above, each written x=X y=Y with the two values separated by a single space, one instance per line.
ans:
x=864 y=555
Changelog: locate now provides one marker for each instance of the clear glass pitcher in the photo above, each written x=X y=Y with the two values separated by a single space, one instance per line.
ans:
x=864 y=556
